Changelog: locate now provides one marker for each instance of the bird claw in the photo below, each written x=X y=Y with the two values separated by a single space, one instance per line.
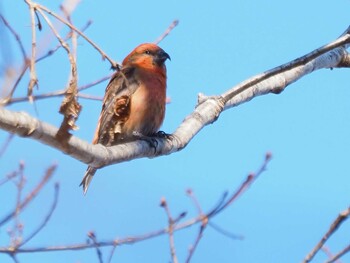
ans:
x=151 y=141
x=163 y=135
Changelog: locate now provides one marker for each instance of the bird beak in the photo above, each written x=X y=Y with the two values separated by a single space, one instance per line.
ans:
x=162 y=56
x=165 y=56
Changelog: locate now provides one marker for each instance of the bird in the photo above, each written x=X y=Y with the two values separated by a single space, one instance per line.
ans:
x=134 y=101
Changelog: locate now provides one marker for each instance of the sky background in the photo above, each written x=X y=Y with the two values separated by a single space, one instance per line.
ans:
x=216 y=45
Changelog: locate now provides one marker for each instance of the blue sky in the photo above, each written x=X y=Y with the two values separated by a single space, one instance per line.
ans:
x=216 y=45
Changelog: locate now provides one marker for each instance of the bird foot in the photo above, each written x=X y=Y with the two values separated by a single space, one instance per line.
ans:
x=150 y=140
x=163 y=135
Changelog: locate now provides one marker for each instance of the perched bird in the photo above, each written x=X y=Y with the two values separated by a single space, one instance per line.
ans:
x=134 y=102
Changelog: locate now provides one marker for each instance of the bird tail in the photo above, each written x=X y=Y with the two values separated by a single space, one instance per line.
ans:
x=90 y=171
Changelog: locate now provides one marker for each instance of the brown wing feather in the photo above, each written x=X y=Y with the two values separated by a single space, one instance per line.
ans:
x=116 y=106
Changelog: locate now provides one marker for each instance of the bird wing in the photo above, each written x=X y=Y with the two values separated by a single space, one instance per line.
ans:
x=116 y=106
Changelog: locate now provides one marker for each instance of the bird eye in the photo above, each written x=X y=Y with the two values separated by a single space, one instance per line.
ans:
x=147 y=52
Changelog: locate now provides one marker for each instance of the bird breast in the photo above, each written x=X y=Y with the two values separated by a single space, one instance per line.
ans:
x=147 y=107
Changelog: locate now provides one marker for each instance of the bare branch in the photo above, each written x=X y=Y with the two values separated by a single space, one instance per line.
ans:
x=277 y=79
x=57 y=47
x=339 y=255
x=17 y=37
x=9 y=100
x=206 y=112
x=111 y=254
x=46 y=219
x=333 y=228
x=167 y=32
x=171 y=224
x=31 y=195
x=104 y=55
x=60 y=93
x=70 y=108
x=33 y=78
x=198 y=238
x=5 y=145
x=204 y=220
x=92 y=237
x=95 y=82
x=225 y=232
x=14 y=258
x=89 y=97
x=329 y=254
x=117 y=242
x=17 y=231
x=194 y=200
x=244 y=186
x=8 y=178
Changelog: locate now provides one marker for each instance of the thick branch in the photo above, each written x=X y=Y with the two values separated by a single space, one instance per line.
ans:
x=207 y=111
x=24 y=125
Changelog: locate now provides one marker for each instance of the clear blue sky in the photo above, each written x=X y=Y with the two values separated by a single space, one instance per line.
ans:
x=216 y=45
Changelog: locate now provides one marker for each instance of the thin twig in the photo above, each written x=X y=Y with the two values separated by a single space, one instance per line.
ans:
x=9 y=100
x=48 y=174
x=203 y=226
x=13 y=89
x=225 y=232
x=46 y=219
x=17 y=230
x=54 y=31
x=8 y=178
x=60 y=93
x=333 y=228
x=223 y=204
x=95 y=82
x=116 y=242
x=342 y=41
x=339 y=255
x=167 y=31
x=244 y=186
x=17 y=37
x=14 y=258
x=329 y=254
x=111 y=254
x=194 y=200
x=70 y=108
x=103 y=54
x=33 y=78
x=171 y=223
x=6 y=144
x=198 y=238
x=89 y=97
x=57 y=47
x=92 y=236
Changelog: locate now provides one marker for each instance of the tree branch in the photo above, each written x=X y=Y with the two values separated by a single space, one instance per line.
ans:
x=31 y=195
x=173 y=226
x=339 y=255
x=46 y=219
x=333 y=228
x=206 y=112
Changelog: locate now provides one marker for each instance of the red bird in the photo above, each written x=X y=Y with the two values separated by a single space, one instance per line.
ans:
x=134 y=102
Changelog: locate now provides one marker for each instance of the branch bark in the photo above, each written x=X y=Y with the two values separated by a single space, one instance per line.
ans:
x=208 y=109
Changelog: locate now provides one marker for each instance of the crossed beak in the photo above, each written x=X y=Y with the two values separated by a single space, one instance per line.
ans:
x=162 y=56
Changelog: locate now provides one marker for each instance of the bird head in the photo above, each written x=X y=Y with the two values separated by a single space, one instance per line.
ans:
x=147 y=55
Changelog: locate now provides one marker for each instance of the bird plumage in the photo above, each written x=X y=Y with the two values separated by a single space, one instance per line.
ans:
x=134 y=100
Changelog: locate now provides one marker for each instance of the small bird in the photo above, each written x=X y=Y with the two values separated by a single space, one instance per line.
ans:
x=134 y=101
